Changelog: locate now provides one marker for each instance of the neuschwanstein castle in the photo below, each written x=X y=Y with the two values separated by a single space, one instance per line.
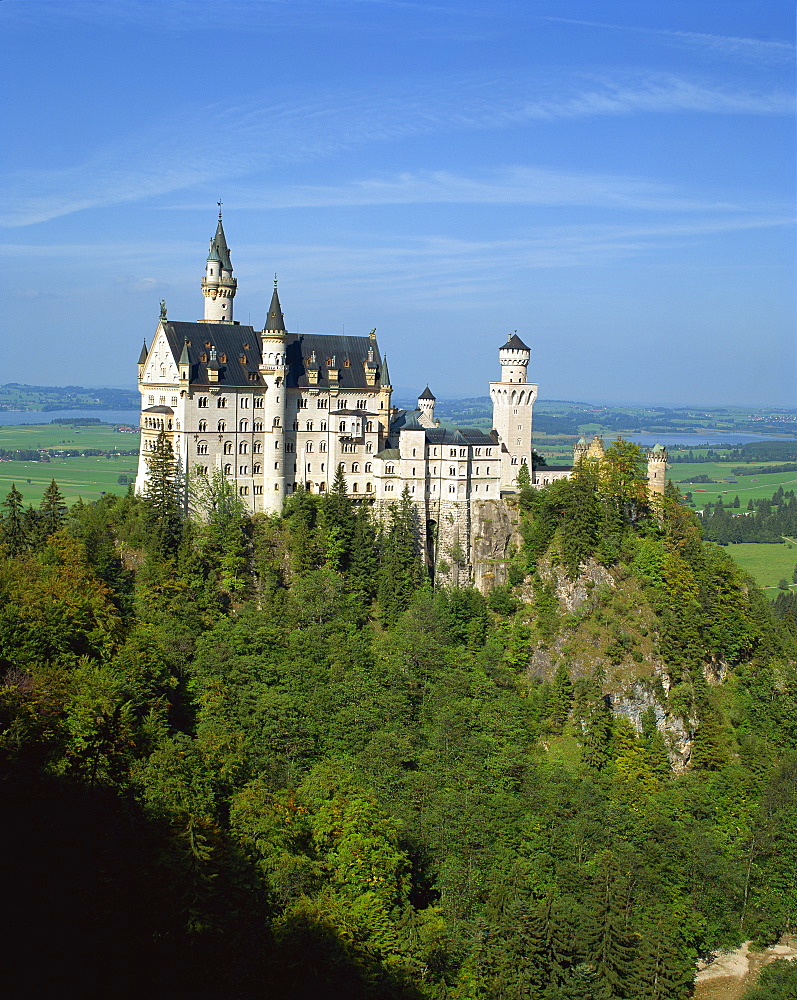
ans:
x=273 y=410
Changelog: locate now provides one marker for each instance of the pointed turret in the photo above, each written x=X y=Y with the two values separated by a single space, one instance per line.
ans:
x=142 y=361
x=384 y=378
x=426 y=403
x=184 y=363
x=275 y=321
x=218 y=285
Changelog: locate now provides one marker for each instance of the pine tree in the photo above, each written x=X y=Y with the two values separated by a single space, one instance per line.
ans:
x=13 y=522
x=581 y=518
x=52 y=509
x=561 y=699
x=163 y=497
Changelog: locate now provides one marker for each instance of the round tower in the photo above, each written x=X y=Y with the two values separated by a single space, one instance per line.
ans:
x=426 y=404
x=274 y=370
x=513 y=401
x=514 y=357
x=579 y=451
x=218 y=285
x=657 y=470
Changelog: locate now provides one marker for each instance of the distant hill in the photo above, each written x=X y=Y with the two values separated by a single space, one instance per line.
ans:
x=16 y=396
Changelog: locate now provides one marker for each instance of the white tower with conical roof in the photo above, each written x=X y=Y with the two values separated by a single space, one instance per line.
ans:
x=513 y=400
x=274 y=371
x=218 y=285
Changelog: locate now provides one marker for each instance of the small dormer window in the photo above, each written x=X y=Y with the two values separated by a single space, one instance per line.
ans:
x=223 y=359
x=346 y=363
x=203 y=358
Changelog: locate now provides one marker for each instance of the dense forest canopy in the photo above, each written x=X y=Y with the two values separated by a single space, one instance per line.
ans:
x=271 y=757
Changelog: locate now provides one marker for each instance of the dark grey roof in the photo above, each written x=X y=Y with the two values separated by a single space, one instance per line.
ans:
x=542 y=469
x=389 y=453
x=184 y=358
x=275 y=319
x=426 y=394
x=516 y=343
x=142 y=358
x=219 y=249
x=229 y=339
x=354 y=349
x=459 y=436
x=384 y=378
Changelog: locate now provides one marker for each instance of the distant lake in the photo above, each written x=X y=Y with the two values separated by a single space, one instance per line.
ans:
x=721 y=437
x=14 y=417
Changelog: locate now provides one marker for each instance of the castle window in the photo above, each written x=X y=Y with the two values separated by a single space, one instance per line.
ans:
x=243 y=426
x=276 y=443
x=257 y=402
x=390 y=469
x=289 y=446
x=257 y=468
x=322 y=467
x=253 y=378
x=342 y=426
x=462 y=452
x=369 y=448
x=243 y=448
x=202 y=401
x=452 y=452
x=452 y=489
x=354 y=488
x=296 y=425
x=301 y=404
x=322 y=446
x=477 y=470
x=203 y=426
x=174 y=401
x=413 y=453
x=203 y=358
x=242 y=360
x=367 y=487
x=202 y=448
x=257 y=447
x=355 y=467
x=308 y=446
x=257 y=427
x=487 y=471
x=360 y=404
x=323 y=425
x=369 y=426
x=368 y=467
x=388 y=487
x=257 y=490
x=276 y=465
x=514 y=458
x=228 y=447
x=244 y=403
x=478 y=451
x=487 y=488
x=203 y=469
x=221 y=402
x=227 y=470
x=222 y=426
x=162 y=400
x=413 y=470
x=243 y=470
x=452 y=471
x=309 y=425
x=321 y=404
x=244 y=491
x=346 y=363
x=223 y=357
x=276 y=421
x=163 y=371
x=488 y=452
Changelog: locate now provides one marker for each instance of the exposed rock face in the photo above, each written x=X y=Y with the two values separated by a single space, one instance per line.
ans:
x=495 y=531
x=678 y=734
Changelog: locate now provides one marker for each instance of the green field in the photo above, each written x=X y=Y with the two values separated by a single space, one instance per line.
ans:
x=767 y=564
x=82 y=476
x=746 y=487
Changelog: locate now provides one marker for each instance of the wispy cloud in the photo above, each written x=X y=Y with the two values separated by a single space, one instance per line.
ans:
x=747 y=49
x=516 y=185
x=214 y=143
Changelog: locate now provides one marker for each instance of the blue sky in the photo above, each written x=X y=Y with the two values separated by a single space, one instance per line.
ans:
x=614 y=180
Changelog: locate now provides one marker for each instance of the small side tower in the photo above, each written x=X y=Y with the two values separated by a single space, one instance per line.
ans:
x=218 y=285
x=513 y=401
x=274 y=369
x=426 y=403
x=657 y=470
x=579 y=451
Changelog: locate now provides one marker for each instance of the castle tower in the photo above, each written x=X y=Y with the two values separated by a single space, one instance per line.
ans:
x=657 y=470
x=579 y=451
x=218 y=285
x=426 y=403
x=274 y=370
x=513 y=400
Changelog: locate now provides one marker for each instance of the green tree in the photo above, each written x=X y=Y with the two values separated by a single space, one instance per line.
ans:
x=13 y=522
x=52 y=509
x=163 y=496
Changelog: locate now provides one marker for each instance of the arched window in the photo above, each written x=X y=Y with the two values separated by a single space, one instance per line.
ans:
x=309 y=425
x=202 y=448
x=243 y=470
x=354 y=488
x=222 y=427
x=323 y=425
x=243 y=426
x=227 y=470
x=202 y=401
x=258 y=426
x=221 y=402
x=308 y=446
x=203 y=426
x=243 y=448
x=369 y=426
x=355 y=467
x=390 y=469
x=369 y=447
x=228 y=447
x=257 y=447
x=368 y=467
x=367 y=487
x=257 y=468
x=342 y=426
x=276 y=421
x=322 y=446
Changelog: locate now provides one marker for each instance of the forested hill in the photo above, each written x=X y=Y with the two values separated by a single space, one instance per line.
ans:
x=16 y=396
x=269 y=758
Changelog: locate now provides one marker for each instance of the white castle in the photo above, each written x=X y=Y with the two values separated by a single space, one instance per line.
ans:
x=273 y=410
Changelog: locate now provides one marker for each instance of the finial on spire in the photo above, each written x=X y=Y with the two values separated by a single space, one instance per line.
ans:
x=275 y=281
x=219 y=203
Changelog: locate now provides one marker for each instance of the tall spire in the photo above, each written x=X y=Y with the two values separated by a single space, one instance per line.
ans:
x=275 y=319
x=218 y=285
x=384 y=377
